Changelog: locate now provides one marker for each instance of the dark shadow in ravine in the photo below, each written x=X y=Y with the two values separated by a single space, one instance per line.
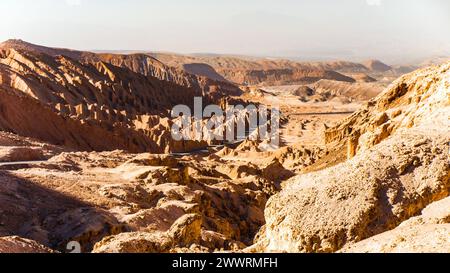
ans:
x=51 y=218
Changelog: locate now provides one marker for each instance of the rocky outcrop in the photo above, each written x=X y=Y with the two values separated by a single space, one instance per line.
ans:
x=426 y=233
x=89 y=106
x=120 y=202
x=391 y=179
x=123 y=101
x=15 y=244
x=209 y=85
x=16 y=148
x=85 y=225
x=303 y=91
x=419 y=98
x=25 y=46
x=411 y=239
x=185 y=232
x=372 y=193
x=136 y=242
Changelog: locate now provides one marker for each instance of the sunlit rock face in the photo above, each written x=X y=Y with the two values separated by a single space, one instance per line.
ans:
x=399 y=165
x=98 y=102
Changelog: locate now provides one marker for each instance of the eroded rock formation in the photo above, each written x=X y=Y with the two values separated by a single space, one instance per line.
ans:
x=401 y=166
x=98 y=105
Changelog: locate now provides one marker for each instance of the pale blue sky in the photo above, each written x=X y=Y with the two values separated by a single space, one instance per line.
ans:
x=352 y=29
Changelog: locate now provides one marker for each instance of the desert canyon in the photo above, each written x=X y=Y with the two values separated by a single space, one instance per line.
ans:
x=86 y=155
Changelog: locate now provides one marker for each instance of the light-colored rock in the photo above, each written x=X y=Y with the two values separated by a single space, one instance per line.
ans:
x=186 y=230
x=428 y=238
x=388 y=181
x=428 y=232
x=372 y=193
x=419 y=99
x=135 y=242
x=436 y=213
x=15 y=244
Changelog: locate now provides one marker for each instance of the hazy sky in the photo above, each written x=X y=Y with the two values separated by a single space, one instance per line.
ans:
x=353 y=29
